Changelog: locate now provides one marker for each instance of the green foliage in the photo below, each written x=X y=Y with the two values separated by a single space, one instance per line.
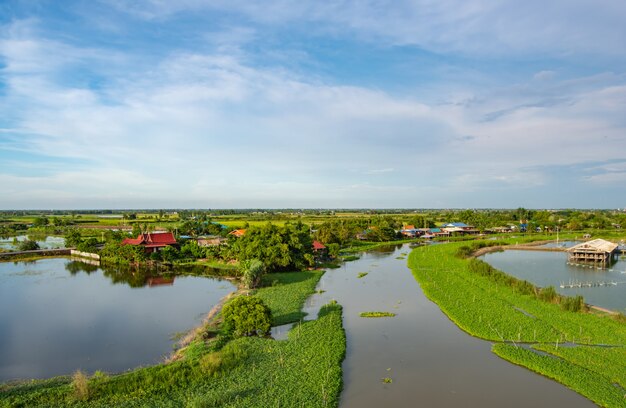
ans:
x=247 y=316
x=333 y=250
x=87 y=245
x=361 y=275
x=114 y=252
x=251 y=272
x=191 y=249
x=40 y=222
x=573 y=304
x=73 y=238
x=548 y=294
x=27 y=245
x=279 y=248
x=169 y=254
x=376 y=314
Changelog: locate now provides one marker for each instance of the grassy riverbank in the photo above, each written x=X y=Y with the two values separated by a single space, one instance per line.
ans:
x=491 y=308
x=304 y=370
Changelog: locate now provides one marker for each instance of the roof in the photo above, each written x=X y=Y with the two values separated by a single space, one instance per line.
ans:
x=238 y=232
x=318 y=245
x=455 y=224
x=152 y=239
x=595 y=245
x=408 y=227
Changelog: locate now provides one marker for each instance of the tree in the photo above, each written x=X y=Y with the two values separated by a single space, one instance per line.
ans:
x=28 y=245
x=73 y=238
x=136 y=229
x=279 y=248
x=40 y=222
x=251 y=271
x=333 y=250
x=247 y=316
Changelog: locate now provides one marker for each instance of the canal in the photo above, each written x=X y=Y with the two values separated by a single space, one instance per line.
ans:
x=419 y=357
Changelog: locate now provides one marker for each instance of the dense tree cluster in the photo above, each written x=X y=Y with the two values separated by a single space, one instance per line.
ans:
x=278 y=248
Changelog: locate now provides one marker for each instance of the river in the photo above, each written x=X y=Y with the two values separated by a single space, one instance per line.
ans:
x=428 y=359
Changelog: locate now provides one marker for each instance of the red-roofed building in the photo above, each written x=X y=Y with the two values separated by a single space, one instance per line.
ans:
x=320 y=252
x=238 y=233
x=152 y=242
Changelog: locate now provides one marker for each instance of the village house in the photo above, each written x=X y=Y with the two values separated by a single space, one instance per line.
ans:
x=459 y=228
x=319 y=251
x=152 y=242
x=410 y=231
x=238 y=233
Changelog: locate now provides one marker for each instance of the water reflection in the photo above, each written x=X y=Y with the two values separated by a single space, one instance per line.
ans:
x=58 y=315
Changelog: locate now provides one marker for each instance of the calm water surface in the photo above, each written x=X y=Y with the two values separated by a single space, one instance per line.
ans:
x=551 y=269
x=431 y=362
x=45 y=242
x=57 y=316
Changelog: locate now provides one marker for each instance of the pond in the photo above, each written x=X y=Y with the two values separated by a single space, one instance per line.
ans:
x=44 y=242
x=59 y=315
x=428 y=359
x=551 y=269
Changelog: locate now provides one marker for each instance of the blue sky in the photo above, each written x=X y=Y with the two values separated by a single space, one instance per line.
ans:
x=257 y=104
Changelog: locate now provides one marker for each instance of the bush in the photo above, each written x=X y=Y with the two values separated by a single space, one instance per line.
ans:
x=88 y=245
x=28 y=245
x=548 y=294
x=247 y=316
x=573 y=304
x=80 y=384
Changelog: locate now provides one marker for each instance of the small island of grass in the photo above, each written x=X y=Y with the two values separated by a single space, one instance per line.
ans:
x=377 y=314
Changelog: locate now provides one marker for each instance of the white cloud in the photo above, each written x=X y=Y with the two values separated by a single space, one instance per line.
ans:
x=210 y=128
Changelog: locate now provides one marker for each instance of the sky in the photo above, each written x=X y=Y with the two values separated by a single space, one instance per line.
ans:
x=312 y=104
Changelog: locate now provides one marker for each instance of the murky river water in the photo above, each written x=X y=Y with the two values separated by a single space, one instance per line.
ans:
x=430 y=361
x=57 y=316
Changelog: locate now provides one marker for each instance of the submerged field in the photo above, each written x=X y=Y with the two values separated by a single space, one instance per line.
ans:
x=495 y=310
x=304 y=370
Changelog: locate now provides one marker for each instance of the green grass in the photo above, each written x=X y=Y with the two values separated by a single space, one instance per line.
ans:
x=377 y=314
x=594 y=385
x=304 y=370
x=490 y=307
x=362 y=275
x=498 y=312
x=287 y=305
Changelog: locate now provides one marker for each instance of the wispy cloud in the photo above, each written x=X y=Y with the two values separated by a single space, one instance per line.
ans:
x=190 y=124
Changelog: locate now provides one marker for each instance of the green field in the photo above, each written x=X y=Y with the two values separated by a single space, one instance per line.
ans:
x=496 y=311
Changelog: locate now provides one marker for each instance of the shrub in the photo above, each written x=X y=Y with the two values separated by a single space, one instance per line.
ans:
x=88 y=245
x=247 y=316
x=548 y=294
x=80 y=384
x=573 y=304
x=28 y=245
